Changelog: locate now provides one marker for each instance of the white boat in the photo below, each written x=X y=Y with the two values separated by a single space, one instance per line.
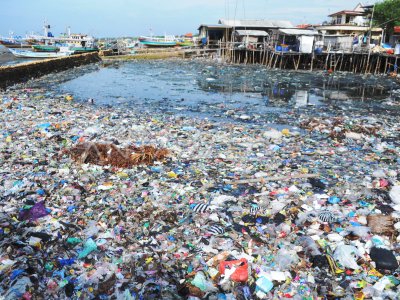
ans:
x=33 y=54
x=166 y=41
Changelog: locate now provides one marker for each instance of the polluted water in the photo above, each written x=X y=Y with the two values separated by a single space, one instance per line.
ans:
x=196 y=180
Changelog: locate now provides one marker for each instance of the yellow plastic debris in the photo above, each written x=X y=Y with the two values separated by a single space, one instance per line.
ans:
x=172 y=174
x=149 y=260
x=285 y=132
x=122 y=175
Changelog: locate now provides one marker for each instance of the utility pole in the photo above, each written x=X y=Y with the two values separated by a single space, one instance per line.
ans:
x=367 y=9
x=370 y=26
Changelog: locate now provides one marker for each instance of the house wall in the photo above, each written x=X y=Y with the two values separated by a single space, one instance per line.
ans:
x=345 y=19
x=344 y=43
x=203 y=32
x=360 y=21
x=394 y=39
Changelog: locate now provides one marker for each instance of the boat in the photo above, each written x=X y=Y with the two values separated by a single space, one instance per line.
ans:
x=13 y=42
x=35 y=54
x=79 y=43
x=45 y=48
x=167 y=41
x=185 y=43
x=56 y=47
x=84 y=49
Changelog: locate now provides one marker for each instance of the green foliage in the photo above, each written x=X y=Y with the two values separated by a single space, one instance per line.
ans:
x=388 y=12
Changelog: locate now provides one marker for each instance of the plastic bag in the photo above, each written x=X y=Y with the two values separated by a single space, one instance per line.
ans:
x=35 y=212
x=241 y=273
x=347 y=255
x=89 y=247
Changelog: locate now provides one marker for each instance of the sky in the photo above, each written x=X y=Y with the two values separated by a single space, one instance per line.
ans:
x=116 y=18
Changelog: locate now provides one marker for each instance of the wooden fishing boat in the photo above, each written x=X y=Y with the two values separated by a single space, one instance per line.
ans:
x=84 y=49
x=157 y=42
x=34 y=54
x=185 y=43
x=13 y=43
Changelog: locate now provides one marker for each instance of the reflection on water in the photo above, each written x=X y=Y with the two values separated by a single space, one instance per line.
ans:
x=218 y=90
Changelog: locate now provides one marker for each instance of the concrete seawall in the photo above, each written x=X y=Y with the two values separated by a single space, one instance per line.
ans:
x=22 y=72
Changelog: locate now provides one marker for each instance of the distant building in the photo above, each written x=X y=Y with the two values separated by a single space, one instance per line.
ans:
x=356 y=17
x=349 y=29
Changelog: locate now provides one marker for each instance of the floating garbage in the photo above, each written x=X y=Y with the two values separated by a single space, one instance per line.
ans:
x=115 y=203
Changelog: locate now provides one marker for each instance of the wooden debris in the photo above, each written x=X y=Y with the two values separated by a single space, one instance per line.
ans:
x=109 y=154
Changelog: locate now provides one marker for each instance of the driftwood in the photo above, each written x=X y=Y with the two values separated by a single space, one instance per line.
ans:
x=381 y=224
x=110 y=154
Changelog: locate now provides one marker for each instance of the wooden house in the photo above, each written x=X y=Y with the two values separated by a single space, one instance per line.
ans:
x=244 y=33
x=350 y=29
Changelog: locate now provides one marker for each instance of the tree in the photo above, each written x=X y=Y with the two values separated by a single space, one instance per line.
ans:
x=387 y=15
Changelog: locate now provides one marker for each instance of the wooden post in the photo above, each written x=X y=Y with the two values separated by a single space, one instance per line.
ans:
x=326 y=61
x=369 y=57
x=341 y=61
x=276 y=60
x=386 y=64
x=377 y=64
x=312 y=61
x=271 y=59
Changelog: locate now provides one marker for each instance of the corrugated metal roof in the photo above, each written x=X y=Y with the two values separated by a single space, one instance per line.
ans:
x=212 y=26
x=257 y=23
x=347 y=12
x=252 y=32
x=298 y=32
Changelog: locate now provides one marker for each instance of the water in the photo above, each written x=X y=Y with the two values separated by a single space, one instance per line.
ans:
x=236 y=92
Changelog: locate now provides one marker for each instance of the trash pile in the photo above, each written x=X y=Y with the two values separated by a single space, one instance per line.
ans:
x=229 y=211
x=341 y=128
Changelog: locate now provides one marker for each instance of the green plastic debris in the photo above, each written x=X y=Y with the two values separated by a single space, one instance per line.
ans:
x=73 y=240
x=63 y=283
x=89 y=247
x=202 y=283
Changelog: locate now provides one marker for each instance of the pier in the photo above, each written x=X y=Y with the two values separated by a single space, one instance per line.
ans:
x=360 y=63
